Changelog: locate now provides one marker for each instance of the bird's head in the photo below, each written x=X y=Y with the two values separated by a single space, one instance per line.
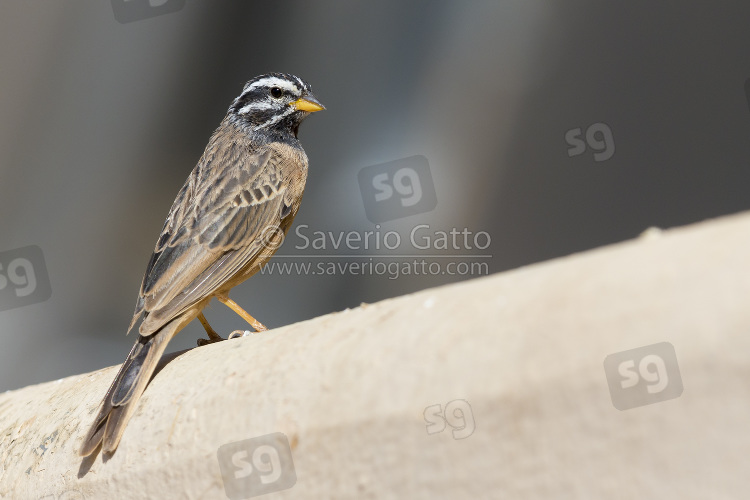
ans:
x=274 y=104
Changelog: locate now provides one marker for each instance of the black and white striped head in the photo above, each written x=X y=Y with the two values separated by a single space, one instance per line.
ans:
x=274 y=103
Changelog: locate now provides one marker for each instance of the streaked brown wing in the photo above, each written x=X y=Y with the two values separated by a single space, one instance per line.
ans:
x=214 y=229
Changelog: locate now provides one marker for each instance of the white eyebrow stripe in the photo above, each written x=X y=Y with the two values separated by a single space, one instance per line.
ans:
x=255 y=105
x=273 y=81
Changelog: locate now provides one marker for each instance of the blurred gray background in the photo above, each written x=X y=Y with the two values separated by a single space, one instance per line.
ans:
x=101 y=121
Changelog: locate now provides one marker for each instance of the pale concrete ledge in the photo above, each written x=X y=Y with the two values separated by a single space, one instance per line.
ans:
x=525 y=349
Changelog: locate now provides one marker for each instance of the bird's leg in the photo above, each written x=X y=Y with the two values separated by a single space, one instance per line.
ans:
x=212 y=335
x=257 y=325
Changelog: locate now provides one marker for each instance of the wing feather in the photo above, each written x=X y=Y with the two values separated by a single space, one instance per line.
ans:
x=216 y=227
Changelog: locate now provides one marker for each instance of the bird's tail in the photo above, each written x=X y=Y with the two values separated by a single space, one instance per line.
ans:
x=122 y=396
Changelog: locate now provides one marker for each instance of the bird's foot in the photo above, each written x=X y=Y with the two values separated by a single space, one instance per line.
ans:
x=240 y=333
x=234 y=335
x=211 y=340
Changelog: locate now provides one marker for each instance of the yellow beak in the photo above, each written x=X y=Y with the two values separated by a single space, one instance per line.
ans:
x=308 y=103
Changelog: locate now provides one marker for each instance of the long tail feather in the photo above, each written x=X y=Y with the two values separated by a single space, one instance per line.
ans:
x=122 y=396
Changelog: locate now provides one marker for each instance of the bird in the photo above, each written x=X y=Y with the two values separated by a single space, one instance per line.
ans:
x=228 y=219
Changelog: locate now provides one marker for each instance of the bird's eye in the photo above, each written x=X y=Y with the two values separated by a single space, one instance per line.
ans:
x=276 y=92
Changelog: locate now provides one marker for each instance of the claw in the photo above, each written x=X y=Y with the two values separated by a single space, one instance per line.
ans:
x=202 y=342
x=240 y=333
